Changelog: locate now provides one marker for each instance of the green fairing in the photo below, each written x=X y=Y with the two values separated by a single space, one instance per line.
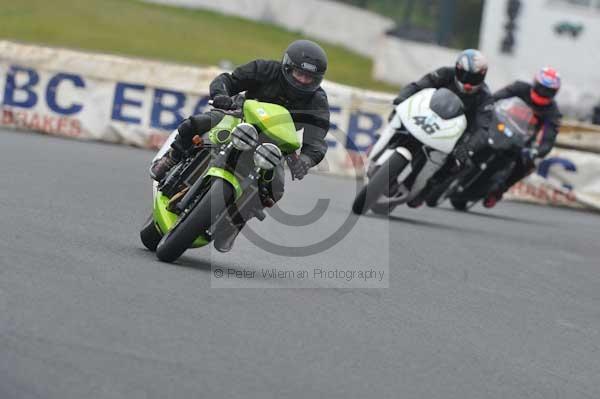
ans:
x=166 y=219
x=227 y=123
x=227 y=176
x=274 y=121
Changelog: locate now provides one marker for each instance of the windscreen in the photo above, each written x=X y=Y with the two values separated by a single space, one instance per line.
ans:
x=516 y=116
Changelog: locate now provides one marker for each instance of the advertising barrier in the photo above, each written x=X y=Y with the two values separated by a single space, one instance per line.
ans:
x=579 y=136
x=139 y=102
x=563 y=178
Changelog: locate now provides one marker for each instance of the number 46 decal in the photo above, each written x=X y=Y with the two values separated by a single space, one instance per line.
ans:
x=425 y=124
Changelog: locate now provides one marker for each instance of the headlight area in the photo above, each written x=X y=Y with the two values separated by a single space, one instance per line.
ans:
x=267 y=156
x=244 y=137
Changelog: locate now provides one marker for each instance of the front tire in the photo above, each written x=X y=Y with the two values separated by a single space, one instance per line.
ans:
x=199 y=219
x=379 y=184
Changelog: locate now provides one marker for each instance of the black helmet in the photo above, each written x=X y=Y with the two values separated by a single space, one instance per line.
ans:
x=304 y=64
x=471 y=68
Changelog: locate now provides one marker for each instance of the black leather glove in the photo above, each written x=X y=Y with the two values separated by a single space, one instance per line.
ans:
x=222 y=101
x=528 y=155
x=299 y=165
x=462 y=154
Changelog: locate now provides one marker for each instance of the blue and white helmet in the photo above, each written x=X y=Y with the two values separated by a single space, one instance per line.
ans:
x=471 y=68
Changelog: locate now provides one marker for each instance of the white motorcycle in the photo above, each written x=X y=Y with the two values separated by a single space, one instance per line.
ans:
x=412 y=147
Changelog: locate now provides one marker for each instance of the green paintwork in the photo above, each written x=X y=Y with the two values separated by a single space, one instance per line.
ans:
x=227 y=123
x=228 y=177
x=274 y=121
x=165 y=219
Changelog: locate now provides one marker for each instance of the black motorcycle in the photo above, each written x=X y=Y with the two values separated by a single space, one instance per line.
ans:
x=512 y=129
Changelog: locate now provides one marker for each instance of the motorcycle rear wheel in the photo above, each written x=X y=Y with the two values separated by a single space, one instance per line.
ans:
x=459 y=205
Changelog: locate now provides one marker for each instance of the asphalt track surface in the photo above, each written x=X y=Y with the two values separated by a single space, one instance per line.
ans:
x=491 y=304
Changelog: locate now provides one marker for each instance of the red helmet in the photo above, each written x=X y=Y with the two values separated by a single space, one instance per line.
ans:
x=545 y=86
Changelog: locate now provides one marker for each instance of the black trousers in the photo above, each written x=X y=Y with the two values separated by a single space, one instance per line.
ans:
x=195 y=125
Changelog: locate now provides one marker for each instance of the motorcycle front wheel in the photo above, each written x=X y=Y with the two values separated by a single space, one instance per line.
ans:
x=379 y=183
x=196 y=222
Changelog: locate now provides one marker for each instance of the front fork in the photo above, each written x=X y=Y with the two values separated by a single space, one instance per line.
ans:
x=215 y=169
x=246 y=206
x=253 y=187
x=245 y=190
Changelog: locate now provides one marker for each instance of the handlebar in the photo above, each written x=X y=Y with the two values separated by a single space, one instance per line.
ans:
x=235 y=112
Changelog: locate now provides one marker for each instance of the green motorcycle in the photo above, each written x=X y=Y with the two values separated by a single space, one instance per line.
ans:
x=218 y=176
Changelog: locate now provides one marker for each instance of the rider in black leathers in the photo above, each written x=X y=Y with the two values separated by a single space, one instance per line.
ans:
x=540 y=97
x=294 y=83
x=466 y=80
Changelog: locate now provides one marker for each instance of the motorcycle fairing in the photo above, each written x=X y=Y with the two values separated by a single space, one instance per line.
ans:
x=427 y=126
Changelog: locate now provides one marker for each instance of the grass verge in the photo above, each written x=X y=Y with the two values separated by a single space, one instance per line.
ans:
x=130 y=27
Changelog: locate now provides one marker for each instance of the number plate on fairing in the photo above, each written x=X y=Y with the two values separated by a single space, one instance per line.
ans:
x=428 y=127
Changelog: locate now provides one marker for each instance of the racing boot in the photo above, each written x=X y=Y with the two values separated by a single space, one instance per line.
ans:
x=162 y=166
x=492 y=199
x=415 y=203
x=226 y=235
